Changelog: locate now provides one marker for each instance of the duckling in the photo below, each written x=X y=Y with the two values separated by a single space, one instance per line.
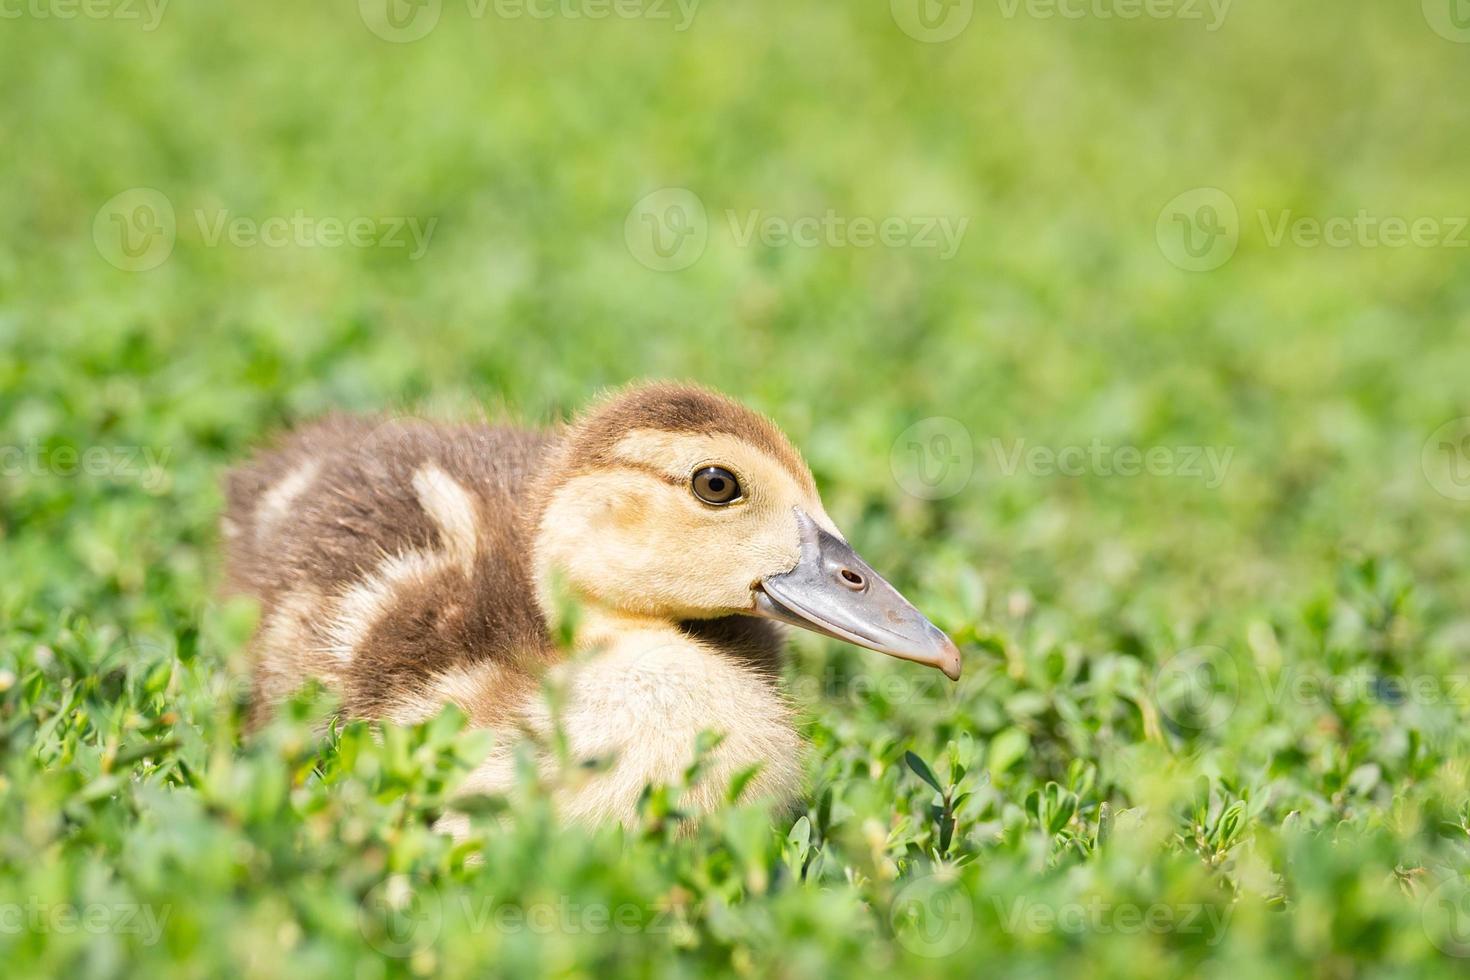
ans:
x=407 y=565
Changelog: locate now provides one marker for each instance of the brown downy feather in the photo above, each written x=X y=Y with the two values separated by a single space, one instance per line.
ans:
x=316 y=522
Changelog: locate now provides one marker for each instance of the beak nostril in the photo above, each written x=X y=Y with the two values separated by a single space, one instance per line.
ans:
x=852 y=579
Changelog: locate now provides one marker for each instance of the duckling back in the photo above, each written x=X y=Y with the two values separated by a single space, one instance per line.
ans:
x=391 y=559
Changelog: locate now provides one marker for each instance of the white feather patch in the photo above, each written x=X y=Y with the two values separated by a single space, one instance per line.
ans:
x=287 y=646
x=275 y=503
x=361 y=606
x=464 y=686
x=452 y=508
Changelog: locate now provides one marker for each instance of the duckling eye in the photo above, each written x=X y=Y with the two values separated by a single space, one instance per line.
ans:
x=715 y=485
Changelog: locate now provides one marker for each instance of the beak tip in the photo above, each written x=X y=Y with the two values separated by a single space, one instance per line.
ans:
x=949 y=659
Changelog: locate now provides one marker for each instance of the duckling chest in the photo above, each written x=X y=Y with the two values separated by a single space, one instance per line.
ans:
x=640 y=708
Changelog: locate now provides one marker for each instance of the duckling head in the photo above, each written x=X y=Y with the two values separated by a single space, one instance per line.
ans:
x=675 y=503
x=670 y=502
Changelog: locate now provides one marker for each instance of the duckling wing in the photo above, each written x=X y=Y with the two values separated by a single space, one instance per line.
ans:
x=391 y=560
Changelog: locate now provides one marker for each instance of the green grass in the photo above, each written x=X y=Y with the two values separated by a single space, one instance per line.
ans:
x=1208 y=727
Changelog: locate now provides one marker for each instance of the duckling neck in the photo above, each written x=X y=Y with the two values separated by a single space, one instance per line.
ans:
x=600 y=628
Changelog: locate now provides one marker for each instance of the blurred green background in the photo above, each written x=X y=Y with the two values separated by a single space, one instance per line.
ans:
x=1188 y=698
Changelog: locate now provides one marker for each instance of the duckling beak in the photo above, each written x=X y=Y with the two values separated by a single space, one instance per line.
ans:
x=834 y=592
